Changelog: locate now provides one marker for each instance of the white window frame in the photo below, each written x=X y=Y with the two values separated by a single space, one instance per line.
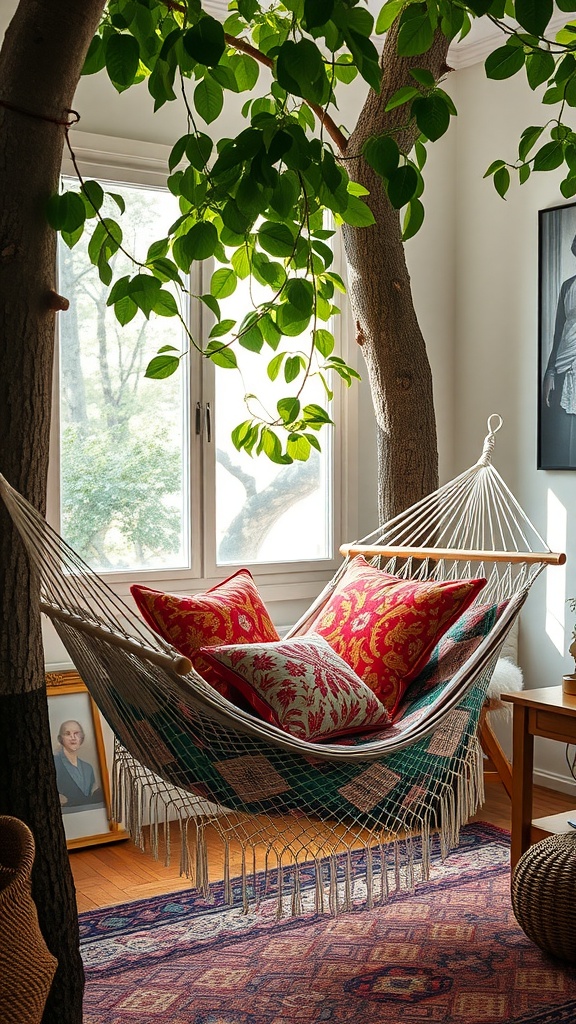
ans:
x=133 y=162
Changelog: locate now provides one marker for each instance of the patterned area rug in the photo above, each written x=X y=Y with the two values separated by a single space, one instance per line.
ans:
x=451 y=952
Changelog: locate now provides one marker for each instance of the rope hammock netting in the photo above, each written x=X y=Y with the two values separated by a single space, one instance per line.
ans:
x=185 y=751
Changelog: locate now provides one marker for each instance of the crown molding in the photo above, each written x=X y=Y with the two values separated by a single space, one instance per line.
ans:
x=474 y=49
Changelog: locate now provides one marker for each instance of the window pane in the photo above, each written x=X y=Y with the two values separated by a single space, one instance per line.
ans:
x=122 y=437
x=266 y=512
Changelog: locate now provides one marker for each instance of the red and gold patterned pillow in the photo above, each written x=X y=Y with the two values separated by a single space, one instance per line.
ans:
x=385 y=627
x=300 y=685
x=232 y=612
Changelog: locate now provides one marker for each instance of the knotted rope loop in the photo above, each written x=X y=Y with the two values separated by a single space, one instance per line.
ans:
x=494 y=423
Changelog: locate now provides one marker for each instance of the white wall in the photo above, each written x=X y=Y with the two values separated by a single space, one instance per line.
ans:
x=496 y=355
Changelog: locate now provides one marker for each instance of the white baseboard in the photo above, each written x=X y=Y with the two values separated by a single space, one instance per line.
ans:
x=553 y=780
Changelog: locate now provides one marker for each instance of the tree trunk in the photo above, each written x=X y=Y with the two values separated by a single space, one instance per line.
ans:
x=379 y=289
x=40 y=64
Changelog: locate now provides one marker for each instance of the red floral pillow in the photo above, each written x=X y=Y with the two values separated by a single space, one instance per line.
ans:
x=385 y=627
x=300 y=685
x=230 y=612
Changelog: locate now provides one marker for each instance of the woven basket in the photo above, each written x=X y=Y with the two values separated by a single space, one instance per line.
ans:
x=544 y=895
x=26 y=966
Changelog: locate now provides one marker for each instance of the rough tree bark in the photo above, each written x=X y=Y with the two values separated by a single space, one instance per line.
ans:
x=40 y=64
x=387 y=328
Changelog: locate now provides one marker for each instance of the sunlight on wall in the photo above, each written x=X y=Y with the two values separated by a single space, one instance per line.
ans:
x=556 y=537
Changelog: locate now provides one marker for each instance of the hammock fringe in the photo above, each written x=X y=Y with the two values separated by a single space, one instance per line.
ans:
x=148 y=810
x=335 y=823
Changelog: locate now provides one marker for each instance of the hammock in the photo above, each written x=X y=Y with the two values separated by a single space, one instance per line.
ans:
x=184 y=750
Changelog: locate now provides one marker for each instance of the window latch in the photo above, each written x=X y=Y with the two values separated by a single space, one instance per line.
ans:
x=198 y=423
x=208 y=422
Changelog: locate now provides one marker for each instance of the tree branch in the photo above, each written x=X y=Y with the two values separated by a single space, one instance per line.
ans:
x=248 y=482
x=338 y=138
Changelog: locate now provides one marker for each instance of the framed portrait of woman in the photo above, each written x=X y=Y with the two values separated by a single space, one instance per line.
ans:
x=80 y=760
x=557 y=338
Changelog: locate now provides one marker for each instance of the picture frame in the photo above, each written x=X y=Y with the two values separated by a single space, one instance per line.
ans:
x=80 y=759
x=557 y=337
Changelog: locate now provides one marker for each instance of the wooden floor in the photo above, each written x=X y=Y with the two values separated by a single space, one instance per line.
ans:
x=120 y=872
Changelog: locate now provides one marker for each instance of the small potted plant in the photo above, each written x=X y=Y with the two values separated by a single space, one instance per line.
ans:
x=569 y=681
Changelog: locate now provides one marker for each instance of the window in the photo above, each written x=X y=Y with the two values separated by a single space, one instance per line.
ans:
x=145 y=481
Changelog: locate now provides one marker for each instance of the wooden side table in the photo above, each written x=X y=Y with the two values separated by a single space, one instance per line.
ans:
x=544 y=712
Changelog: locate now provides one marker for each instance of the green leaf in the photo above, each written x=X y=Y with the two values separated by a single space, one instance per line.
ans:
x=270 y=445
x=221 y=356
x=504 y=62
x=528 y=139
x=524 y=173
x=298 y=447
x=177 y=152
x=494 y=166
x=288 y=409
x=122 y=60
x=93 y=194
x=401 y=96
x=568 y=187
x=388 y=14
x=223 y=283
x=71 y=237
x=413 y=219
x=402 y=185
x=300 y=70
x=241 y=433
x=270 y=331
x=317 y=12
x=125 y=310
x=276 y=239
x=432 y=116
x=415 y=34
x=165 y=304
x=240 y=260
x=285 y=194
x=251 y=339
x=162 y=366
x=157 y=249
x=66 y=212
x=275 y=365
x=198 y=150
x=502 y=181
x=534 y=15
x=292 y=368
x=316 y=416
x=549 y=156
x=301 y=295
x=105 y=241
x=324 y=342
x=95 y=58
x=119 y=200
x=424 y=77
x=382 y=154
x=199 y=243
x=221 y=329
x=357 y=213
x=539 y=67
x=144 y=289
x=205 y=41
x=212 y=304
x=246 y=71
x=164 y=269
x=208 y=99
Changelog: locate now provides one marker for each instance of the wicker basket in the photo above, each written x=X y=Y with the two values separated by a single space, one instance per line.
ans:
x=544 y=895
x=26 y=966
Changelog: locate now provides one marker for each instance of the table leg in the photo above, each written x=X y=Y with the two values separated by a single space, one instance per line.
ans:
x=522 y=769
